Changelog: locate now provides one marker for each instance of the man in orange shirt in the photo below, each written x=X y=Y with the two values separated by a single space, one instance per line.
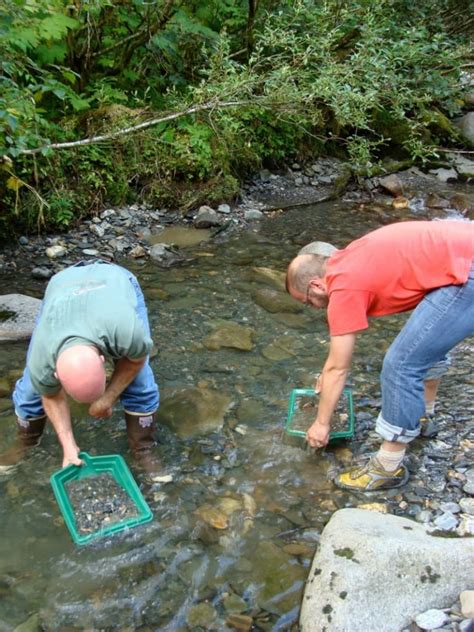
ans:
x=422 y=266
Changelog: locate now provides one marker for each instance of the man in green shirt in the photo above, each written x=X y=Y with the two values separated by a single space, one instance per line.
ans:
x=90 y=312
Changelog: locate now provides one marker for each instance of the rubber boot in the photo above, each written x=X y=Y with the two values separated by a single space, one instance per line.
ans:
x=28 y=435
x=141 y=431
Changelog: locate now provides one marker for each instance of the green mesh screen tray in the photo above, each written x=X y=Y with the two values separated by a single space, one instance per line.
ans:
x=302 y=412
x=115 y=467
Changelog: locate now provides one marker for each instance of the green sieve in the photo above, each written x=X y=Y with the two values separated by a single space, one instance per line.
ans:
x=343 y=417
x=115 y=466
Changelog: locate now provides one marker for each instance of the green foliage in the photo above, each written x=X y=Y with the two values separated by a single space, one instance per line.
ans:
x=293 y=79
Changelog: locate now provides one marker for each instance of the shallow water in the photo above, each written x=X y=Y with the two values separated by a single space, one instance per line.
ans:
x=236 y=529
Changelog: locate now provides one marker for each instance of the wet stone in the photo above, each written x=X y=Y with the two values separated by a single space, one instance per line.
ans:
x=99 y=502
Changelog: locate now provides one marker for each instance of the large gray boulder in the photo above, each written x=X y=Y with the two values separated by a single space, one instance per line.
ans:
x=318 y=248
x=17 y=316
x=376 y=572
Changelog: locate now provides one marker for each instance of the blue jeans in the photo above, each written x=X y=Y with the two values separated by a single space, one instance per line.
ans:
x=141 y=396
x=443 y=318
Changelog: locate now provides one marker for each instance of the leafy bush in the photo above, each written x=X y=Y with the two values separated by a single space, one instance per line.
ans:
x=363 y=77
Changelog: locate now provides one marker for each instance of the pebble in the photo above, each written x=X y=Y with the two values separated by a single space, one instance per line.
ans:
x=54 y=252
x=450 y=507
x=467 y=603
x=431 y=619
x=467 y=505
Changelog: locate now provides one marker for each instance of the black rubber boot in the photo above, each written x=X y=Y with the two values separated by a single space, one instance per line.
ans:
x=29 y=433
x=141 y=431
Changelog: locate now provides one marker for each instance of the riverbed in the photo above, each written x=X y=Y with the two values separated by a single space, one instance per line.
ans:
x=234 y=532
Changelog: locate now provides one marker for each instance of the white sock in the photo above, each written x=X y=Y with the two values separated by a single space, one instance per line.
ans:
x=390 y=461
x=429 y=408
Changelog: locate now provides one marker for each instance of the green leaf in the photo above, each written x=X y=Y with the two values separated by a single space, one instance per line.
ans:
x=56 y=26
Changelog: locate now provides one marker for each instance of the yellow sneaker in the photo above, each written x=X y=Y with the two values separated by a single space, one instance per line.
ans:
x=429 y=427
x=371 y=477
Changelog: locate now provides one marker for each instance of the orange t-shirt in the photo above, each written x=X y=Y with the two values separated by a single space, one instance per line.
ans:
x=390 y=270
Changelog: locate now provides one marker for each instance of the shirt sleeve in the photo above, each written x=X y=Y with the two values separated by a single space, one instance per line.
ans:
x=44 y=382
x=136 y=344
x=347 y=311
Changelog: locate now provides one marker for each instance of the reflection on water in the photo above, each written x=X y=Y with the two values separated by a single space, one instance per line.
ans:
x=234 y=533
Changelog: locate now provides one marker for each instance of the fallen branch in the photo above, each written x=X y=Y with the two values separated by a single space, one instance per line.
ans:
x=136 y=128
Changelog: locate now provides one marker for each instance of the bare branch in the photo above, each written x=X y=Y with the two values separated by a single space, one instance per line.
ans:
x=136 y=128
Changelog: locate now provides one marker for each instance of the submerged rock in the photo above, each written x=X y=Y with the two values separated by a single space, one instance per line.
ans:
x=193 y=411
x=274 y=301
x=230 y=335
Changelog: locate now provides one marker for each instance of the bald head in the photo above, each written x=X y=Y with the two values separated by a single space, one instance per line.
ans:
x=302 y=270
x=80 y=369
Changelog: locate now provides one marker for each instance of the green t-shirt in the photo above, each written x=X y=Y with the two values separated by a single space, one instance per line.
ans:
x=92 y=305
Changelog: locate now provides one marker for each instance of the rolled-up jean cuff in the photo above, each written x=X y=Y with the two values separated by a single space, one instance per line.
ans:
x=389 y=432
x=132 y=412
x=436 y=372
x=25 y=419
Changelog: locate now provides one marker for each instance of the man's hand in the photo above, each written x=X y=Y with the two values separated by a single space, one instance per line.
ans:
x=101 y=408
x=71 y=456
x=318 y=435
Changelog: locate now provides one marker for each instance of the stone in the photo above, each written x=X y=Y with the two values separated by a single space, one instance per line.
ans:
x=466 y=126
x=55 y=252
x=278 y=350
x=212 y=516
x=464 y=166
x=165 y=255
x=202 y=615
x=467 y=603
x=273 y=277
x=446 y=521
x=234 y=603
x=193 y=411
x=32 y=624
x=433 y=200
x=466 y=626
x=230 y=335
x=318 y=248
x=467 y=505
x=224 y=208
x=453 y=508
x=137 y=252
x=98 y=230
x=42 y=273
x=18 y=314
x=206 y=217
x=367 y=558
x=392 y=184
x=468 y=487
x=276 y=577
x=253 y=215
x=431 y=619
x=444 y=175
x=239 y=622
x=274 y=301
x=466 y=525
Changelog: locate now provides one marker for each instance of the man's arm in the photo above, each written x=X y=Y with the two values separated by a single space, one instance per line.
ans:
x=124 y=373
x=332 y=380
x=57 y=408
